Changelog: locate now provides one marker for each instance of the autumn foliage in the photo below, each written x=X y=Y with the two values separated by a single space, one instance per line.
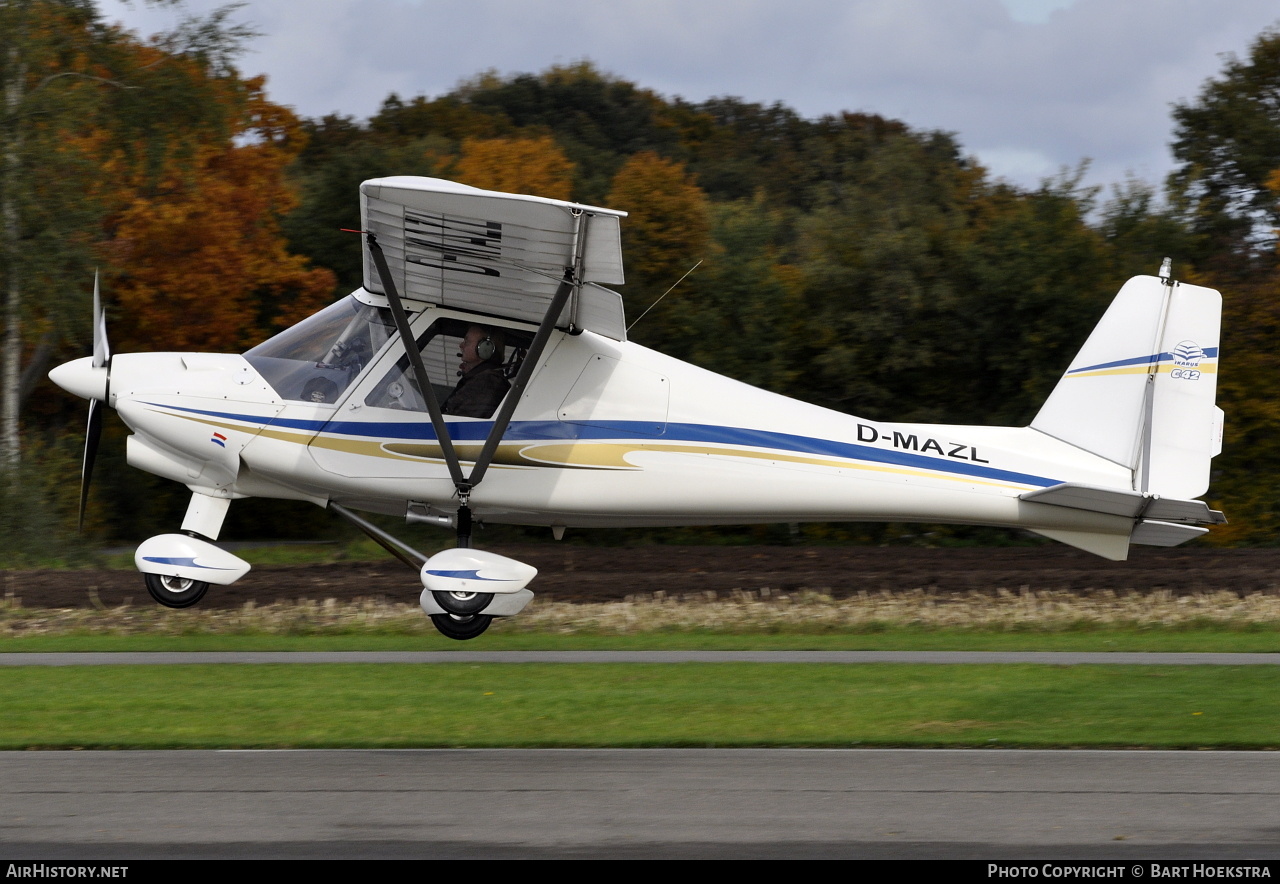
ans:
x=204 y=265
x=667 y=226
x=516 y=165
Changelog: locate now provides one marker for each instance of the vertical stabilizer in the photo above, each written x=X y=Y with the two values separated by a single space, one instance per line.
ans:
x=1141 y=391
x=1099 y=403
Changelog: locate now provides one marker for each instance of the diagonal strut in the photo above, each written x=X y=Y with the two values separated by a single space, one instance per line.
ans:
x=502 y=420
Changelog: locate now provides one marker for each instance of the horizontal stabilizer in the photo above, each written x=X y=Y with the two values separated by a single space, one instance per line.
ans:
x=1124 y=502
x=1165 y=533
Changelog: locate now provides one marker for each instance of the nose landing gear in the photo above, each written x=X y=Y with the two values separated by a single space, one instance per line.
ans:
x=175 y=592
x=178 y=568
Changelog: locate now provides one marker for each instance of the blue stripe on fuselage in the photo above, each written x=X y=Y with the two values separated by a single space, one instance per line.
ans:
x=546 y=431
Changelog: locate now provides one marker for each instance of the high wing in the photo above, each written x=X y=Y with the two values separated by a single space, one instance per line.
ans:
x=499 y=254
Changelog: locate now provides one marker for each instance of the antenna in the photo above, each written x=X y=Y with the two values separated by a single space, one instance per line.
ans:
x=663 y=295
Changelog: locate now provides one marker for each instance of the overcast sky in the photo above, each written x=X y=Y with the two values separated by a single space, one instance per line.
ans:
x=1029 y=86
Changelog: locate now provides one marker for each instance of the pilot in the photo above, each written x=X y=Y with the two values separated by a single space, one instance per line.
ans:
x=483 y=382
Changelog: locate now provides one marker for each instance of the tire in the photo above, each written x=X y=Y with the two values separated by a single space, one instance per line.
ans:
x=463 y=602
x=461 y=628
x=175 y=592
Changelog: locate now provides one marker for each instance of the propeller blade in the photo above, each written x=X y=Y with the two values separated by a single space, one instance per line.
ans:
x=92 y=433
x=101 y=348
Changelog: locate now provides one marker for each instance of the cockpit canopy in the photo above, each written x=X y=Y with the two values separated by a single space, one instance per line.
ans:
x=317 y=359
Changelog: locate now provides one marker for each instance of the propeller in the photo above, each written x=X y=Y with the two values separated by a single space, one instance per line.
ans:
x=93 y=432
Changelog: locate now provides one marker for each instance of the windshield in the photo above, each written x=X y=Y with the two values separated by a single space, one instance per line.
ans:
x=318 y=358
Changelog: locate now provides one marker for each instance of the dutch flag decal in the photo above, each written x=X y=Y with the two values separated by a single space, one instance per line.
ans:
x=219 y=440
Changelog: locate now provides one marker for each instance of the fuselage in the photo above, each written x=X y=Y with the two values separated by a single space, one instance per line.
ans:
x=606 y=433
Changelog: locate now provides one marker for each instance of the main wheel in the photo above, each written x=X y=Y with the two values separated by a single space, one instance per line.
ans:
x=463 y=602
x=461 y=628
x=175 y=592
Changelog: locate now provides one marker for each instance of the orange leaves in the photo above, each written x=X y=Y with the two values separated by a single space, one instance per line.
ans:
x=205 y=262
x=667 y=231
x=516 y=165
x=668 y=228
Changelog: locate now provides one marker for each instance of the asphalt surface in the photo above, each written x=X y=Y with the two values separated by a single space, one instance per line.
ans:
x=1054 y=658
x=618 y=803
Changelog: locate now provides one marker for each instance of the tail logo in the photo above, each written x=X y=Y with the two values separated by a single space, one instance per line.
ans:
x=1187 y=354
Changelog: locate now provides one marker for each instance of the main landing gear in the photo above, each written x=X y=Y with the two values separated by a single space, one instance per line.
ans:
x=463 y=603
x=462 y=619
x=461 y=627
x=463 y=588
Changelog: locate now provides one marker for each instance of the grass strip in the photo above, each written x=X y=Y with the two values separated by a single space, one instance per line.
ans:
x=806 y=618
x=1259 y=639
x=724 y=704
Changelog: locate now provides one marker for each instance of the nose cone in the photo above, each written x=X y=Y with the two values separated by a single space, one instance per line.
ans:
x=82 y=378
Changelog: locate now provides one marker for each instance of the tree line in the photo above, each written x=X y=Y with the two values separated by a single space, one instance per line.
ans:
x=849 y=260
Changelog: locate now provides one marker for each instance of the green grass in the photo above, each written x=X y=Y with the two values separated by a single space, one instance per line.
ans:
x=727 y=704
x=1261 y=640
x=361 y=705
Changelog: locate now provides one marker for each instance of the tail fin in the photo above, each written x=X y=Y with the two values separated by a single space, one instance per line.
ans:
x=1141 y=391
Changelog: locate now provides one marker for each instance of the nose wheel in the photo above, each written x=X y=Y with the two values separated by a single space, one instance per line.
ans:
x=177 y=592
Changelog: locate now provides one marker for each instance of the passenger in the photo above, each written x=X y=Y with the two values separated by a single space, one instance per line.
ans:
x=484 y=381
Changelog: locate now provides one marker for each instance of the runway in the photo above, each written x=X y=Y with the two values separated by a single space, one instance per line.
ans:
x=1051 y=658
x=617 y=803
x=707 y=803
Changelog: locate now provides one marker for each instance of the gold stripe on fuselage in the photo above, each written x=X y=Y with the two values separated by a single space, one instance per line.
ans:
x=570 y=455
x=613 y=455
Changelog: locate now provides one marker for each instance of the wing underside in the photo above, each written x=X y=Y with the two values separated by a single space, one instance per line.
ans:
x=495 y=253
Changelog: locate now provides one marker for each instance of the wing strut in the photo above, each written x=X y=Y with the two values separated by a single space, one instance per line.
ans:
x=419 y=370
x=503 y=418
x=522 y=378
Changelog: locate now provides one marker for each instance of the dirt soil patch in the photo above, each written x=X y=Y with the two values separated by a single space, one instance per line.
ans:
x=572 y=573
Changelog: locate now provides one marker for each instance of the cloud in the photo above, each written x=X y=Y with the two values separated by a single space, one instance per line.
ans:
x=1034 y=11
x=1028 y=86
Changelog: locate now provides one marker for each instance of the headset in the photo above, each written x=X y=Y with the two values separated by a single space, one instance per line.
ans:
x=490 y=346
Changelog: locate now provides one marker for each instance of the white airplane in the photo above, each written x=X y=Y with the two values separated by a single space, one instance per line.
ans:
x=560 y=421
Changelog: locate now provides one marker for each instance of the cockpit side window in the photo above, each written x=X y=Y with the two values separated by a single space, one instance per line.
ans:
x=317 y=359
x=441 y=347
